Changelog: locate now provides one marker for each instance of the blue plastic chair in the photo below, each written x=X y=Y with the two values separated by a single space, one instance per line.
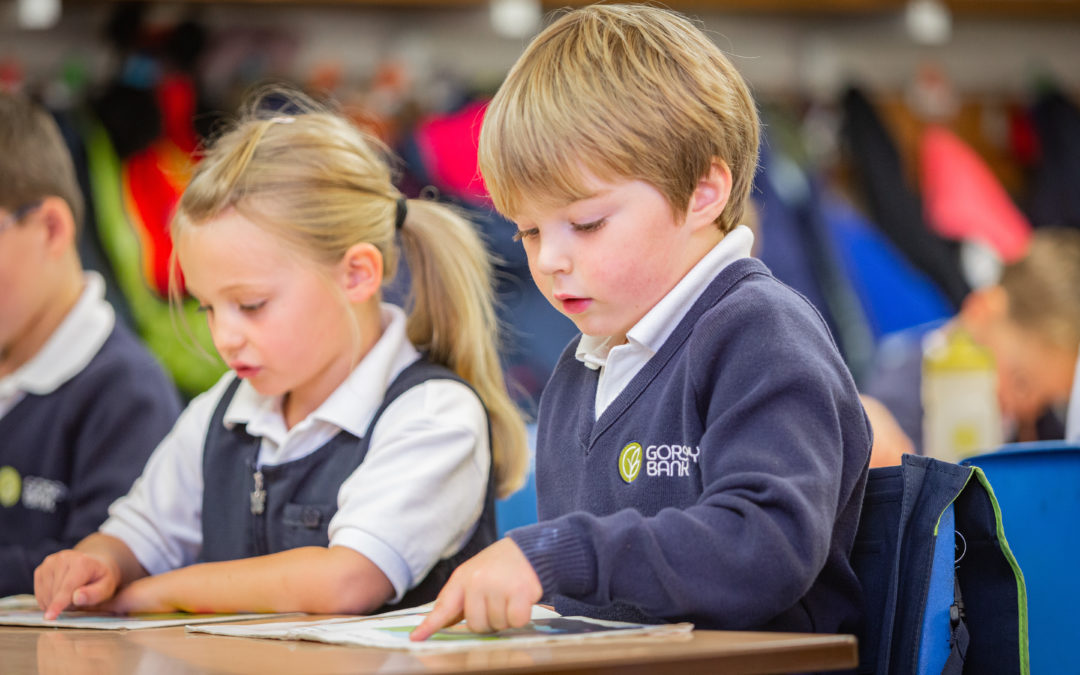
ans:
x=1038 y=488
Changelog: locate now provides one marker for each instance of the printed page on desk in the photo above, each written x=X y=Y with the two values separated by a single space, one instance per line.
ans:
x=392 y=632
x=22 y=610
x=282 y=630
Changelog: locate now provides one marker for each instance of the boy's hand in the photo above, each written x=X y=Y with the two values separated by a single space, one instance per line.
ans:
x=494 y=590
x=74 y=578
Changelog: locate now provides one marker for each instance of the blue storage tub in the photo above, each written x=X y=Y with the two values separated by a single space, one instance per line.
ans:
x=1038 y=488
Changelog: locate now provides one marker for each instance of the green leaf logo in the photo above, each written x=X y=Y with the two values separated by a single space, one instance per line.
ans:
x=10 y=486
x=630 y=462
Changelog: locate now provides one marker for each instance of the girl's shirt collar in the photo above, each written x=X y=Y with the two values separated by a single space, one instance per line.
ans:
x=350 y=407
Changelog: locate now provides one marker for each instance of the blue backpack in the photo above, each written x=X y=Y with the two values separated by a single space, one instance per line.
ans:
x=943 y=593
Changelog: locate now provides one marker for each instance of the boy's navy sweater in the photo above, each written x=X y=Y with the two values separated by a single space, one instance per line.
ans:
x=753 y=451
x=68 y=454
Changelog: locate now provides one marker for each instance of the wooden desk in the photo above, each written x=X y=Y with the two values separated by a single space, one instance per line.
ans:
x=172 y=651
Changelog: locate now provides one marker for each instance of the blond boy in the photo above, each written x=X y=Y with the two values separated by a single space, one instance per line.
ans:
x=702 y=451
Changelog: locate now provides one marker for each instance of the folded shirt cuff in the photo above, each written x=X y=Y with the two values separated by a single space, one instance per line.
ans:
x=385 y=558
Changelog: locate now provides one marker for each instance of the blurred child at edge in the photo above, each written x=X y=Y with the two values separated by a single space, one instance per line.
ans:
x=82 y=402
x=1029 y=321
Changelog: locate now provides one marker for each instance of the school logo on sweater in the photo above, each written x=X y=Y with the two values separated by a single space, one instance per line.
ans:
x=10 y=486
x=630 y=462
x=665 y=459
x=39 y=494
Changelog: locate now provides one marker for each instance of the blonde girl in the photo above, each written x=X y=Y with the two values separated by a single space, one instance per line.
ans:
x=350 y=457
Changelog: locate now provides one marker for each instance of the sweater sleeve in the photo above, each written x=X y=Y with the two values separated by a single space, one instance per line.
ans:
x=782 y=424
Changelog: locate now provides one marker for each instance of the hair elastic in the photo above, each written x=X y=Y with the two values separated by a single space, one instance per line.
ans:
x=402 y=211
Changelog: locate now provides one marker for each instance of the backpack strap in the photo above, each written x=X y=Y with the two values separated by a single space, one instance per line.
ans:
x=959 y=638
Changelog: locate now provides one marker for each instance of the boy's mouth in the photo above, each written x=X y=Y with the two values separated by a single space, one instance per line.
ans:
x=575 y=305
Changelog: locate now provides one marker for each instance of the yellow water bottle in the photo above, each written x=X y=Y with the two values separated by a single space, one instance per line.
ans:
x=961 y=415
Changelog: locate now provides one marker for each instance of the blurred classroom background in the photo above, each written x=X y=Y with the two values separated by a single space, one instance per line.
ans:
x=910 y=146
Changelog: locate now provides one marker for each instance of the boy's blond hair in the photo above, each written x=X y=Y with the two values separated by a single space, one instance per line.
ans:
x=320 y=185
x=1043 y=287
x=34 y=161
x=619 y=92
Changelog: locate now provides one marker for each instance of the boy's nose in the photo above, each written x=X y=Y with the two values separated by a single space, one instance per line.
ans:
x=551 y=256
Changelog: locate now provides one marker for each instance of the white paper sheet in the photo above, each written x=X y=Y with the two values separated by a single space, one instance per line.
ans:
x=392 y=632
x=22 y=610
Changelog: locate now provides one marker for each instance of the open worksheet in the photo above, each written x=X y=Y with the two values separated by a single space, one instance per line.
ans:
x=22 y=610
x=392 y=631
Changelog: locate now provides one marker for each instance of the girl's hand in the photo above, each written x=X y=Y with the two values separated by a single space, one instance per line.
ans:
x=143 y=595
x=494 y=590
x=73 y=578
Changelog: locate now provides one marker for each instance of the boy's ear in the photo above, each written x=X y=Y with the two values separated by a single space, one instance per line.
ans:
x=710 y=196
x=984 y=308
x=360 y=272
x=55 y=216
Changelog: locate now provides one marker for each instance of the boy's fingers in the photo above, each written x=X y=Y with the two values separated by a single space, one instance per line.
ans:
x=518 y=611
x=447 y=611
x=476 y=612
x=496 y=613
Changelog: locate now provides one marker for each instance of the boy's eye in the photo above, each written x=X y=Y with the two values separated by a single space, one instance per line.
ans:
x=526 y=234
x=589 y=227
x=252 y=306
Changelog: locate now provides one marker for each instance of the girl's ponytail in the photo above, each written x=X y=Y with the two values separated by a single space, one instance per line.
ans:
x=452 y=318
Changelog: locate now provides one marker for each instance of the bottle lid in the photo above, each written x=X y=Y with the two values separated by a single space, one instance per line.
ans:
x=952 y=348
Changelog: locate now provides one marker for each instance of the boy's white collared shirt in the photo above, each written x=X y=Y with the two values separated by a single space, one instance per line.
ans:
x=74 y=343
x=618 y=364
x=413 y=501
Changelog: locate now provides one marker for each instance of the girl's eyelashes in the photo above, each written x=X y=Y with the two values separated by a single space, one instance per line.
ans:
x=243 y=307
x=526 y=234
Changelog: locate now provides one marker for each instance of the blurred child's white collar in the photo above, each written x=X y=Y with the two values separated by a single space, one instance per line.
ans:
x=74 y=343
